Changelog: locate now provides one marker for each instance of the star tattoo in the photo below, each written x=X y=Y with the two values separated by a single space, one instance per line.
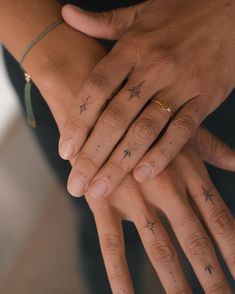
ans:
x=135 y=91
x=150 y=225
x=208 y=195
x=209 y=269
x=85 y=103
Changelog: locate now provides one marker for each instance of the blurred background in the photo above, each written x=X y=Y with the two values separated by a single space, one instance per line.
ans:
x=37 y=222
x=38 y=228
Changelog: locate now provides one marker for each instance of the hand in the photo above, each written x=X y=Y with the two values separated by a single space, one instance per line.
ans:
x=184 y=193
x=175 y=57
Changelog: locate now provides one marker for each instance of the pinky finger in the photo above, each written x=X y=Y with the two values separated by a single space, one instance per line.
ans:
x=178 y=133
x=213 y=150
x=112 y=246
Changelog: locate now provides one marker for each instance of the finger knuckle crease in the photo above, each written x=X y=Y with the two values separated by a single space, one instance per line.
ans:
x=183 y=127
x=88 y=161
x=73 y=123
x=114 y=166
x=162 y=253
x=218 y=288
x=144 y=130
x=111 y=244
x=222 y=222
x=197 y=244
x=114 y=119
x=97 y=82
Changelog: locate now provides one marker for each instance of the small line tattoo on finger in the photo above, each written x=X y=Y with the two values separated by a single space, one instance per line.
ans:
x=135 y=91
x=209 y=269
x=85 y=103
x=128 y=152
x=208 y=195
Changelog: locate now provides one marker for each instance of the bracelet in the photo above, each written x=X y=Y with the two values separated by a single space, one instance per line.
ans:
x=27 y=89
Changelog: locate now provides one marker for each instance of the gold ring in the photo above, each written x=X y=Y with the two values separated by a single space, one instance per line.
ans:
x=165 y=106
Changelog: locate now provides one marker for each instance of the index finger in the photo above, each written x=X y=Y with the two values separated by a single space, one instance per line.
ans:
x=99 y=86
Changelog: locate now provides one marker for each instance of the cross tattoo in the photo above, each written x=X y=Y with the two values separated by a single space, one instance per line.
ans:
x=85 y=103
x=135 y=91
x=209 y=269
x=150 y=225
x=208 y=195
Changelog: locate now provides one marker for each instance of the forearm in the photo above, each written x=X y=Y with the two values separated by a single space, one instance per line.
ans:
x=22 y=20
x=60 y=60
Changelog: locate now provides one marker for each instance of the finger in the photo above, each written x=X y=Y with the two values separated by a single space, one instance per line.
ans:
x=161 y=252
x=216 y=215
x=154 y=237
x=108 y=131
x=179 y=131
x=198 y=248
x=91 y=98
x=112 y=247
x=213 y=150
x=106 y=25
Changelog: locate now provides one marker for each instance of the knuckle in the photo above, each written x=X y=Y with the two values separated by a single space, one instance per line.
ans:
x=218 y=288
x=144 y=130
x=164 y=155
x=73 y=123
x=116 y=168
x=111 y=244
x=164 y=59
x=87 y=161
x=197 y=244
x=114 y=119
x=162 y=253
x=222 y=222
x=183 y=126
x=97 y=82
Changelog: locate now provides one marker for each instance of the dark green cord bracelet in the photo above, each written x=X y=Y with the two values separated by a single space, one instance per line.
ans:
x=28 y=82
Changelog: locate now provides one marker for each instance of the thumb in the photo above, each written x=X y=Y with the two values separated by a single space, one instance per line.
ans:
x=214 y=151
x=104 y=25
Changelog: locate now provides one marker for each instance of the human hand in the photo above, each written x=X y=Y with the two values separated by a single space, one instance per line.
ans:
x=180 y=53
x=185 y=195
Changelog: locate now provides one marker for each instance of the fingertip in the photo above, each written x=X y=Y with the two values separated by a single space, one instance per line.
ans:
x=69 y=11
x=66 y=149
x=143 y=173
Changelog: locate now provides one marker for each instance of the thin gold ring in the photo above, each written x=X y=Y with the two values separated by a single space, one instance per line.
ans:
x=165 y=106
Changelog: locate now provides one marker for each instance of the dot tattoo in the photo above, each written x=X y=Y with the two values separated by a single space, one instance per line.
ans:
x=135 y=91
x=150 y=225
x=97 y=148
x=209 y=269
x=85 y=103
x=208 y=195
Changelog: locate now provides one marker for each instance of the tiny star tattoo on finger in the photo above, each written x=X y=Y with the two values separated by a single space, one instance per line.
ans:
x=150 y=225
x=85 y=103
x=135 y=91
x=209 y=269
x=208 y=195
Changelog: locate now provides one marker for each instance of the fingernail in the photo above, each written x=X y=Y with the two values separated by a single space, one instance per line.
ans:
x=76 y=186
x=143 y=173
x=98 y=189
x=66 y=149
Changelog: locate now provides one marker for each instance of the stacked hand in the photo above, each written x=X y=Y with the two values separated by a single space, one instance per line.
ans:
x=173 y=64
x=183 y=192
